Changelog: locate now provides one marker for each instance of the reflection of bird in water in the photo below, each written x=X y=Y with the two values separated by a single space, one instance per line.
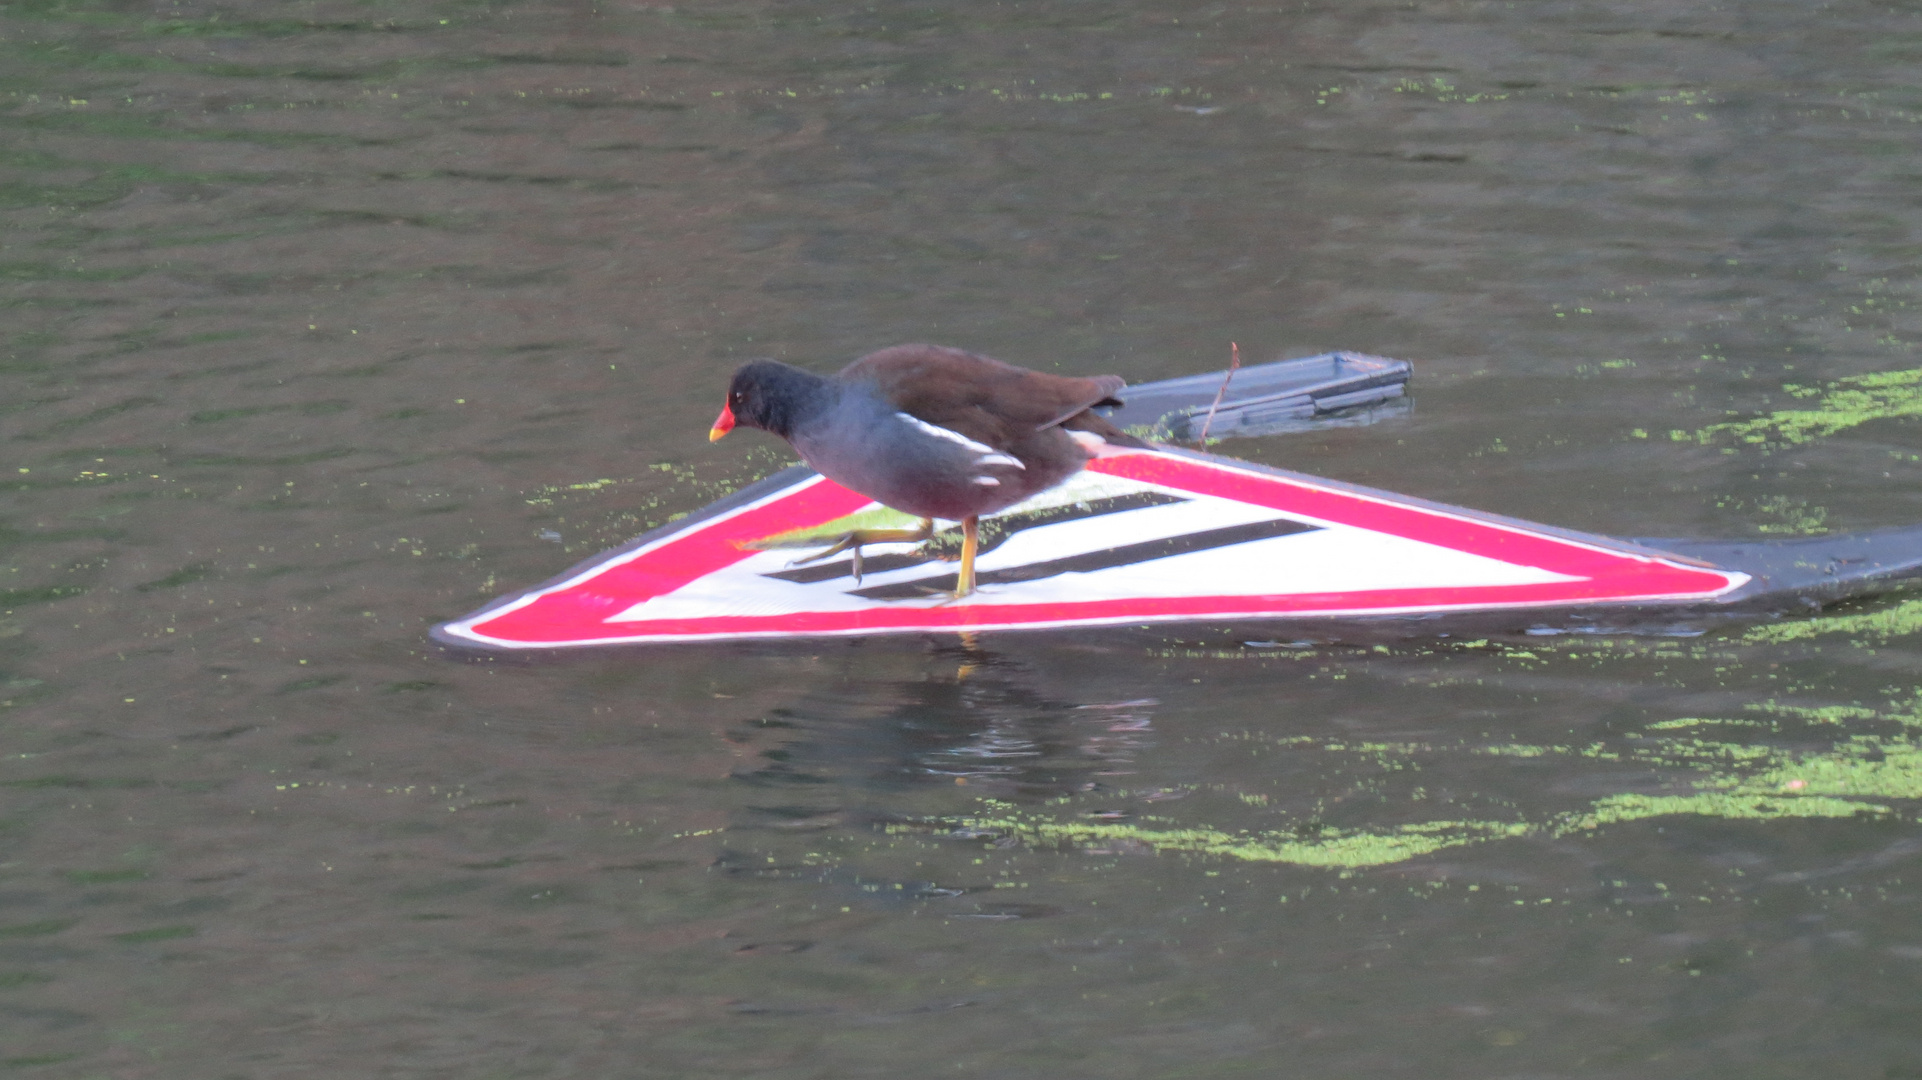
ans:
x=969 y=716
x=929 y=431
x=882 y=743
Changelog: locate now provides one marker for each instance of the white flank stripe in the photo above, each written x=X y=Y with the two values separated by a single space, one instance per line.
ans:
x=987 y=481
x=989 y=455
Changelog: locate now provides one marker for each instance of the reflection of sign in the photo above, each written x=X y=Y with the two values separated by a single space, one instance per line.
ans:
x=1136 y=538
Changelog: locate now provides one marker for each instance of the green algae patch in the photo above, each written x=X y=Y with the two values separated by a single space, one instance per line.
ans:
x=1898 y=621
x=1754 y=766
x=1329 y=848
x=598 y=512
x=1703 y=753
x=1866 y=768
x=1814 y=714
x=1686 y=722
x=1520 y=750
x=1621 y=809
x=1839 y=406
x=1769 y=798
x=1728 y=780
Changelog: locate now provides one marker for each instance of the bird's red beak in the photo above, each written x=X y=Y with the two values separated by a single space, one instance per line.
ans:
x=722 y=425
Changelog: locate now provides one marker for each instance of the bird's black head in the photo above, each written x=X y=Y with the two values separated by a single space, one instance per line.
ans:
x=769 y=395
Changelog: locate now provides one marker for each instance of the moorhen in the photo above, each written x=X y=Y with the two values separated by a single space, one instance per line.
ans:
x=929 y=431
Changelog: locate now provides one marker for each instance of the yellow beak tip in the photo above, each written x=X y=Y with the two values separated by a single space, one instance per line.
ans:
x=715 y=434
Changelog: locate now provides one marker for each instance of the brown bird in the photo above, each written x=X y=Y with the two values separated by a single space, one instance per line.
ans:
x=929 y=431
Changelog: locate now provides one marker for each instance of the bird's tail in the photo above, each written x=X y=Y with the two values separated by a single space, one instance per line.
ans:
x=1110 y=434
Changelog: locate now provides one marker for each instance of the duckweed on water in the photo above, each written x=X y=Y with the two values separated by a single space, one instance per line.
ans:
x=610 y=510
x=1620 y=809
x=1903 y=618
x=1731 y=781
x=1817 y=714
x=1328 y=848
x=1818 y=786
x=1843 y=404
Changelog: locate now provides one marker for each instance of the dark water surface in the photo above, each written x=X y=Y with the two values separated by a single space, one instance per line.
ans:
x=323 y=322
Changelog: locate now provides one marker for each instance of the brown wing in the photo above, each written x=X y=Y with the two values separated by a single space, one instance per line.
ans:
x=978 y=396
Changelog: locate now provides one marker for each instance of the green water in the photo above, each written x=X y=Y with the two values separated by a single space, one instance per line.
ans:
x=324 y=322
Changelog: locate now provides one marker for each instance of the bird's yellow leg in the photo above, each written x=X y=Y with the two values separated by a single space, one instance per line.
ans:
x=970 y=540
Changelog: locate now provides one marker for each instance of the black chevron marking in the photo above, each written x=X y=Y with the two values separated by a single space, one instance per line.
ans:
x=1104 y=559
x=994 y=532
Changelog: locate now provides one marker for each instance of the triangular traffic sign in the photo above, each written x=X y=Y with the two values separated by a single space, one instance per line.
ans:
x=1136 y=538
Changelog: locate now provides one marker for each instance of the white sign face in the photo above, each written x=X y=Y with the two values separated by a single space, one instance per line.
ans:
x=1138 y=537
